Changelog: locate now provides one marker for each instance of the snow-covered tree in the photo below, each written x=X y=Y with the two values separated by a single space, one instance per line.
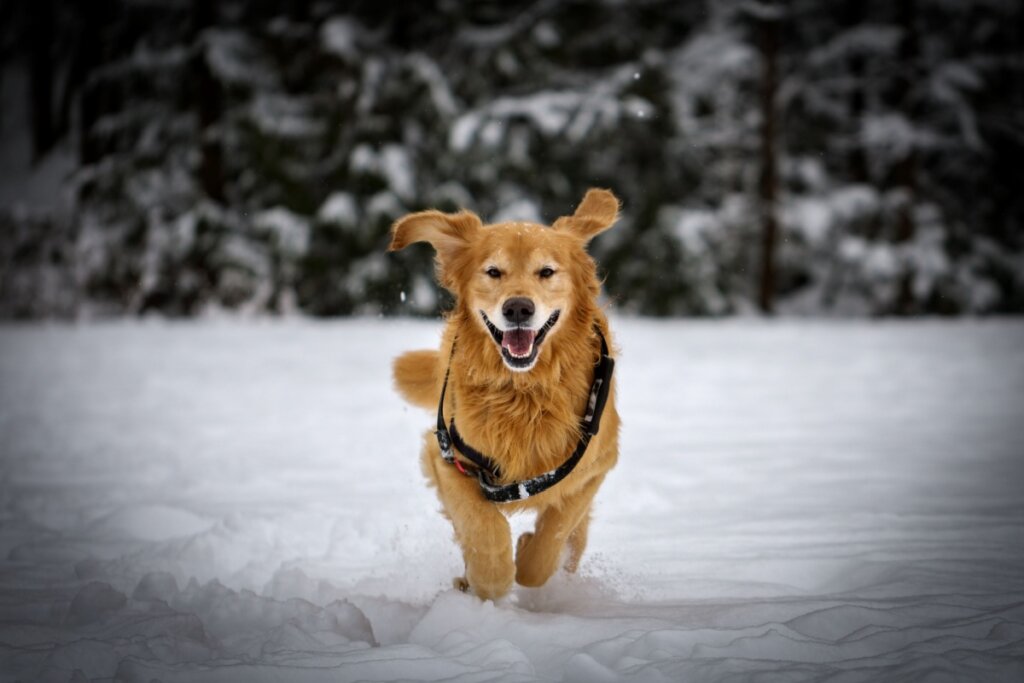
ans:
x=251 y=156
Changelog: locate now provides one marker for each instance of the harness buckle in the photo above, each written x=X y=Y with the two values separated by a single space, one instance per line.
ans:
x=486 y=478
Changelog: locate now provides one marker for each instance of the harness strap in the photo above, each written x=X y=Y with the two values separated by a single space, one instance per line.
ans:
x=448 y=436
x=482 y=462
x=488 y=473
x=444 y=439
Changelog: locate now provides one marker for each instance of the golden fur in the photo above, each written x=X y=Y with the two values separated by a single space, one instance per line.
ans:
x=526 y=421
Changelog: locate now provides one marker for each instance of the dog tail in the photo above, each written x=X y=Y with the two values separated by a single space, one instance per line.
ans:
x=417 y=377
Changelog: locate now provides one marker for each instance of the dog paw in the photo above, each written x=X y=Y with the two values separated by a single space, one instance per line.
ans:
x=484 y=590
x=490 y=581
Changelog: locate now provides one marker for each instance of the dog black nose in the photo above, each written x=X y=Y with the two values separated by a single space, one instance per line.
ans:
x=517 y=310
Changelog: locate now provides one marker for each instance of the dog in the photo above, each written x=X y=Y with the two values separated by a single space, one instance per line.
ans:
x=523 y=364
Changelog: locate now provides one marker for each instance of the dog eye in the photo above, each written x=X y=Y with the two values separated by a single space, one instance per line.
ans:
x=546 y=272
x=493 y=272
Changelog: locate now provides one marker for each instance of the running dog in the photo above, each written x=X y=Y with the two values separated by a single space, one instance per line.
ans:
x=522 y=385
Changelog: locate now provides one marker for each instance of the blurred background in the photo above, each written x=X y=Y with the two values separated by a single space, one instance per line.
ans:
x=816 y=158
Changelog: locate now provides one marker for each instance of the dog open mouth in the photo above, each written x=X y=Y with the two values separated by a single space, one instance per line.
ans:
x=519 y=346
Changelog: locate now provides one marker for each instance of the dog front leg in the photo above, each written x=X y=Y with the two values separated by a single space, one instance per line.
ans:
x=538 y=553
x=481 y=531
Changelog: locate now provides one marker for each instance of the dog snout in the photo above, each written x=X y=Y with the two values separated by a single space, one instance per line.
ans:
x=517 y=310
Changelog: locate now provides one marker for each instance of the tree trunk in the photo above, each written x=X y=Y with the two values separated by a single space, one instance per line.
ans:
x=87 y=54
x=905 y=173
x=209 y=104
x=41 y=76
x=856 y=159
x=96 y=47
x=768 y=30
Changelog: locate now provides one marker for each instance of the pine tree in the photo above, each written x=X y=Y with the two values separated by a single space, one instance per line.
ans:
x=252 y=156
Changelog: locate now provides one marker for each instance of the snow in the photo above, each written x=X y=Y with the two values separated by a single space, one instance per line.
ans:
x=437 y=85
x=864 y=40
x=816 y=218
x=518 y=209
x=290 y=230
x=242 y=501
x=424 y=295
x=340 y=208
x=890 y=135
x=235 y=58
x=338 y=35
x=551 y=113
x=951 y=85
x=393 y=164
x=693 y=228
x=284 y=116
x=397 y=167
x=384 y=204
x=707 y=68
x=546 y=35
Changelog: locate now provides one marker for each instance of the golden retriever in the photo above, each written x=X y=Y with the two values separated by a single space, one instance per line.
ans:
x=516 y=369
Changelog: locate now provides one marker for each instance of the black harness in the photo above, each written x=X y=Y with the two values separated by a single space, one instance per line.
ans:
x=488 y=473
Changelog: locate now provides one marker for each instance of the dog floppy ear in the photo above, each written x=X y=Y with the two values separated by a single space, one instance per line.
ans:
x=446 y=232
x=596 y=213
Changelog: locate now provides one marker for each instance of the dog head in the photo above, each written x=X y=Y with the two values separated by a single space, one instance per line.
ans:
x=521 y=282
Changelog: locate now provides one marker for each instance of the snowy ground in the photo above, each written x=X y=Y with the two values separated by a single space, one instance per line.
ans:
x=241 y=501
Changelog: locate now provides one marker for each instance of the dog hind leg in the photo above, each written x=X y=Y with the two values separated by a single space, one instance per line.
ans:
x=577 y=544
x=538 y=553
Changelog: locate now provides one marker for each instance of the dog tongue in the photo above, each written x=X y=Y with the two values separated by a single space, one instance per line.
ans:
x=519 y=342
